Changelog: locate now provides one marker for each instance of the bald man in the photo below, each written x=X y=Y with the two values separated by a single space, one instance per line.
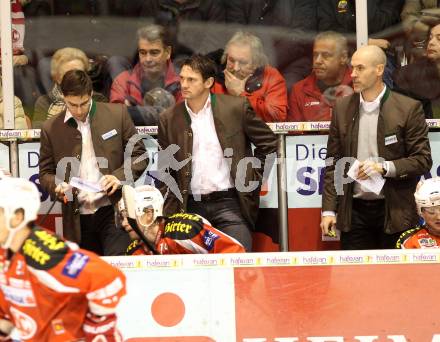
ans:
x=387 y=133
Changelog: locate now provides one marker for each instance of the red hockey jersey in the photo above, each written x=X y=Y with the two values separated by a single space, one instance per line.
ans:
x=185 y=233
x=418 y=237
x=49 y=286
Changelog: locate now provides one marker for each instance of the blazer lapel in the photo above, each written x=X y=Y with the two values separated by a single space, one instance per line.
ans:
x=182 y=120
x=381 y=124
x=353 y=125
x=96 y=133
x=220 y=125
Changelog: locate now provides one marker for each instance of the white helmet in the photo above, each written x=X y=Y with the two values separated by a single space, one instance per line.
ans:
x=18 y=193
x=136 y=200
x=427 y=193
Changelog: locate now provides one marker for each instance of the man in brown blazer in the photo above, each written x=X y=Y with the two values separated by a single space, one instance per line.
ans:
x=213 y=171
x=387 y=133
x=90 y=140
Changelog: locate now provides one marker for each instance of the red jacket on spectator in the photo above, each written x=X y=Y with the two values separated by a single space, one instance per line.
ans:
x=127 y=85
x=307 y=103
x=266 y=91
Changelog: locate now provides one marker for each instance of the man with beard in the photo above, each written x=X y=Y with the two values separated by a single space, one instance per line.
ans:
x=313 y=98
x=247 y=73
x=154 y=70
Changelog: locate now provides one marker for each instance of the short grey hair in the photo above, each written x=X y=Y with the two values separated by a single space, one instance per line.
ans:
x=259 y=58
x=338 y=38
x=66 y=55
x=153 y=33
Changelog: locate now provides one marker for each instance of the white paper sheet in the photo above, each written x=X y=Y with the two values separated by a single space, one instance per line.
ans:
x=374 y=183
x=84 y=184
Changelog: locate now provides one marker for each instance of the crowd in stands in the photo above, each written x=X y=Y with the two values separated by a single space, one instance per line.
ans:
x=176 y=64
x=290 y=58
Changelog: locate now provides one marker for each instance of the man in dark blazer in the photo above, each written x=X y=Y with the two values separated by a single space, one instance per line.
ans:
x=214 y=172
x=90 y=140
x=387 y=133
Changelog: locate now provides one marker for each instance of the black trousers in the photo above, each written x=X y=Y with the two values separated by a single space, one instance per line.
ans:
x=223 y=212
x=100 y=235
x=367 y=227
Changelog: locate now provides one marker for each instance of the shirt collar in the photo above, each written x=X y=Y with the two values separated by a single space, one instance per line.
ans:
x=370 y=106
x=206 y=106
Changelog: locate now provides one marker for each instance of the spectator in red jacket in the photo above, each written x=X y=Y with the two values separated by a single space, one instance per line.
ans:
x=313 y=98
x=247 y=73
x=154 y=70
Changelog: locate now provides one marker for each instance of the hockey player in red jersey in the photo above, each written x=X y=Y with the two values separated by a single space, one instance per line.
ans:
x=50 y=289
x=182 y=233
x=427 y=235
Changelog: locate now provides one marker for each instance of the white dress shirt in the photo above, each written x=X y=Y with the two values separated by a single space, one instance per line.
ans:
x=89 y=202
x=210 y=171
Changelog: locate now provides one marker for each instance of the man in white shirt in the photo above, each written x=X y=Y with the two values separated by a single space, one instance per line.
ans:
x=221 y=177
x=92 y=138
x=387 y=133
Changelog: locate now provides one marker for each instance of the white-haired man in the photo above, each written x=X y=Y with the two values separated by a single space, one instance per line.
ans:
x=248 y=73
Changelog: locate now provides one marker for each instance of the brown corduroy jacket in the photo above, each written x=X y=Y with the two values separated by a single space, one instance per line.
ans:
x=237 y=127
x=111 y=128
x=399 y=116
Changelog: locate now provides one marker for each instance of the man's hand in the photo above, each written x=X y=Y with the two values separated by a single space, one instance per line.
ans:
x=328 y=225
x=368 y=168
x=60 y=191
x=234 y=85
x=110 y=184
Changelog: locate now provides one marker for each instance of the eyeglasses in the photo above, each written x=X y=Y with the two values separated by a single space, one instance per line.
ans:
x=432 y=210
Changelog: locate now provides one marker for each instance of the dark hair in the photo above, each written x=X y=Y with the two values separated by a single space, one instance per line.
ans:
x=201 y=64
x=76 y=83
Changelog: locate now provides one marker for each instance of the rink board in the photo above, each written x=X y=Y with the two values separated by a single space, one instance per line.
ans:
x=361 y=296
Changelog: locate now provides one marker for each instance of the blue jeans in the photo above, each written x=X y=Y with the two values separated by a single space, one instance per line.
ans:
x=225 y=215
